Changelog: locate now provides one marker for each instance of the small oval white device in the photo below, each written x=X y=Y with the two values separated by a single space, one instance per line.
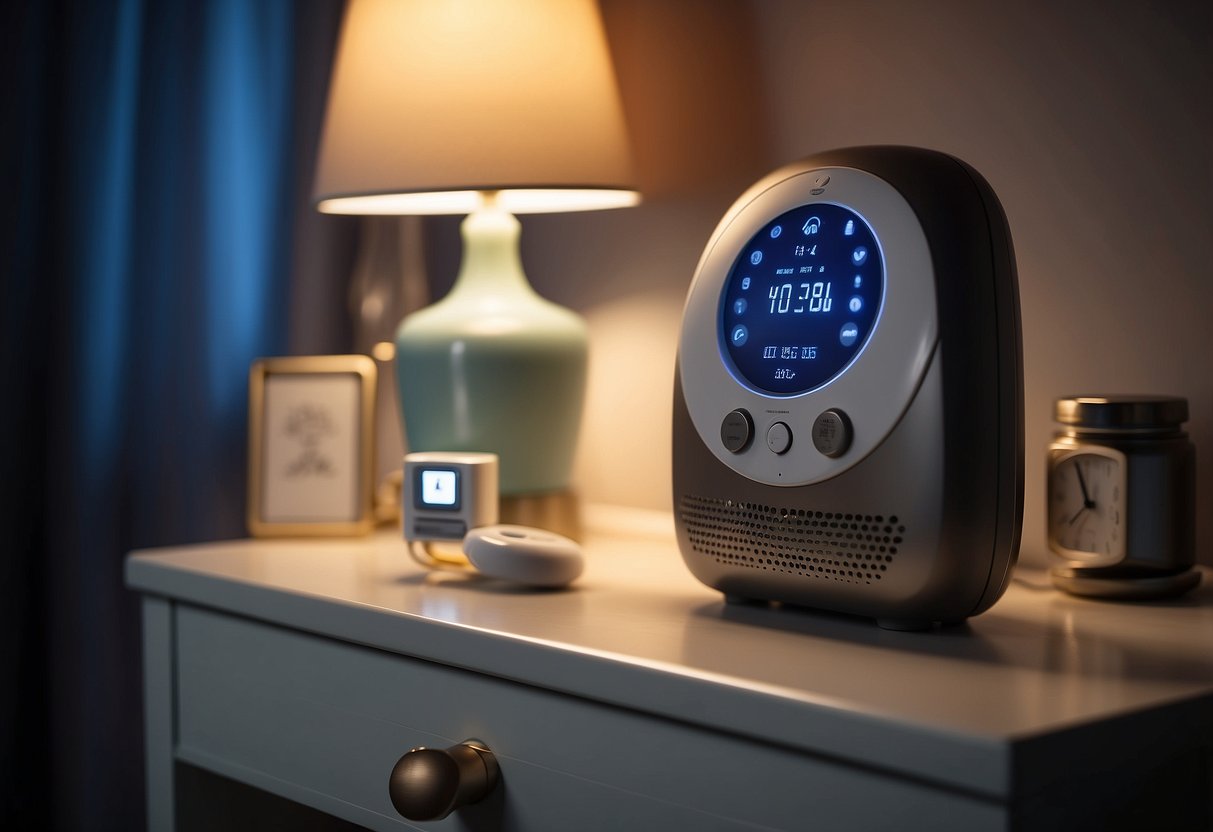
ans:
x=848 y=405
x=524 y=555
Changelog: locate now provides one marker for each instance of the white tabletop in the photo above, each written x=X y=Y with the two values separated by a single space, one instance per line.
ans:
x=637 y=630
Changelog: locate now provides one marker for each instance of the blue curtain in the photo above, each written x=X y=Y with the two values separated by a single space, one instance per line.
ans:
x=161 y=154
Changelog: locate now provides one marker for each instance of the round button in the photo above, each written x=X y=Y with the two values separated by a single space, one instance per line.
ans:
x=779 y=438
x=736 y=430
x=832 y=433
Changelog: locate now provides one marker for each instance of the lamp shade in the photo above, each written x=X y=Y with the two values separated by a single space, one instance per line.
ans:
x=434 y=101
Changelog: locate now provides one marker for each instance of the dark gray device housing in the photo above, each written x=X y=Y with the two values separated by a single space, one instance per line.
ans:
x=918 y=522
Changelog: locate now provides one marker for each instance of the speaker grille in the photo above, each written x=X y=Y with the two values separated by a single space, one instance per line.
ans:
x=823 y=545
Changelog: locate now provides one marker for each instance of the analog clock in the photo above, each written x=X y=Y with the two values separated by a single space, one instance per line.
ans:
x=1086 y=519
x=1111 y=448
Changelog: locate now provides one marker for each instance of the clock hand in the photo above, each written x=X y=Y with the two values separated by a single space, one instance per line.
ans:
x=1087 y=502
x=1077 y=514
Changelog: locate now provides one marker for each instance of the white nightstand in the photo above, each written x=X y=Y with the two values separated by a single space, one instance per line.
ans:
x=639 y=700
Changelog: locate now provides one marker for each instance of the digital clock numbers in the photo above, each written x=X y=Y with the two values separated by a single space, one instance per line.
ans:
x=817 y=294
x=801 y=299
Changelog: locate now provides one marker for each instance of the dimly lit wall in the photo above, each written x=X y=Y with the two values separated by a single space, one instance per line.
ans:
x=1092 y=120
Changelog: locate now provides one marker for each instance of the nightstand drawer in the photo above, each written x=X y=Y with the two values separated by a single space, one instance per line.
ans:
x=322 y=722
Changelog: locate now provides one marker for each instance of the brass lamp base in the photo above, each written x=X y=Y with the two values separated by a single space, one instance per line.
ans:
x=553 y=511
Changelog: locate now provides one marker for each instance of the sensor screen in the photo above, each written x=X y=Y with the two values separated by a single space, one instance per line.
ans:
x=439 y=488
x=802 y=299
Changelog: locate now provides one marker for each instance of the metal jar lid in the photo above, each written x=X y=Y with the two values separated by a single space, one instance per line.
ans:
x=1122 y=412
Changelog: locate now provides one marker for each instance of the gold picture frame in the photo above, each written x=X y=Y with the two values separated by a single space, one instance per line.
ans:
x=311 y=446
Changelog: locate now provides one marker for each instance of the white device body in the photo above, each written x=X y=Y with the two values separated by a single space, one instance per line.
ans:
x=915 y=516
x=446 y=494
x=523 y=555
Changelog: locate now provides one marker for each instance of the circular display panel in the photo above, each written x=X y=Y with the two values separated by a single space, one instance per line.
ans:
x=802 y=299
x=871 y=383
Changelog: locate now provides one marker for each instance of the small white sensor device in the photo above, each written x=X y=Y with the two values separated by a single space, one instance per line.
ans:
x=524 y=555
x=453 y=497
x=448 y=494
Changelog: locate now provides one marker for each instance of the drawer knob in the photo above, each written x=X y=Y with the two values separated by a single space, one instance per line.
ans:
x=430 y=783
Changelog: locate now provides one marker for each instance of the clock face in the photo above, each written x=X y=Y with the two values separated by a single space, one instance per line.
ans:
x=1087 y=504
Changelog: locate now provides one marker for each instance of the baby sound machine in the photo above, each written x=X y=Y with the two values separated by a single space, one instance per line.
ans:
x=848 y=404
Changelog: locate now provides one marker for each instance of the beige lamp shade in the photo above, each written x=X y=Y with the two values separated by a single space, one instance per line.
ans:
x=434 y=101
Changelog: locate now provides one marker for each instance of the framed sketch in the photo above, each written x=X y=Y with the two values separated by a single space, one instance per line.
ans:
x=311 y=445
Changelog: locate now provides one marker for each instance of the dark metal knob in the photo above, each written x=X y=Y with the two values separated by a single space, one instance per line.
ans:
x=430 y=783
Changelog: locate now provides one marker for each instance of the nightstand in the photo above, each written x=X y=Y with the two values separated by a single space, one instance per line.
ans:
x=640 y=700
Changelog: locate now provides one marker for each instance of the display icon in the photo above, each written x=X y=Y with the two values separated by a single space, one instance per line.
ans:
x=756 y=258
x=812 y=225
x=848 y=229
x=739 y=335
x=776 y=231
x=739 y=306
x=745 y=283
x=439 y=488
x=858 y=281
x=848 y=334
x=859 y=255
x=855 y=303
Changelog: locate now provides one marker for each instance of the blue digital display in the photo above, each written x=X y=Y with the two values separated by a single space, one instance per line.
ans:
x=802 y=299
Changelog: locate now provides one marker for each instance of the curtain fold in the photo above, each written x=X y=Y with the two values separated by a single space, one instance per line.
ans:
x=162 y=155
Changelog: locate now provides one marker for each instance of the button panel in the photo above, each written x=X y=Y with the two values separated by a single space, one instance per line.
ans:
x=736 y=430
x=779 y=437
x=832 y=433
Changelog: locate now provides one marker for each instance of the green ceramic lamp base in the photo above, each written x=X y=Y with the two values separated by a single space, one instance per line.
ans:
x=495 y=367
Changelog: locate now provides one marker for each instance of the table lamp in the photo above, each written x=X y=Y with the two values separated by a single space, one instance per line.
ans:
x=488 y=108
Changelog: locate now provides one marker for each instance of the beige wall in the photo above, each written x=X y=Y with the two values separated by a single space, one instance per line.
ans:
x=1093 y=121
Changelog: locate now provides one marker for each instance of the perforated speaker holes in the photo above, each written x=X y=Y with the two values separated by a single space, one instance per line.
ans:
x=852 y=548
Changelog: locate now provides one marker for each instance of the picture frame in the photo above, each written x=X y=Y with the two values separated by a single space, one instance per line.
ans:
x=311 y=446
